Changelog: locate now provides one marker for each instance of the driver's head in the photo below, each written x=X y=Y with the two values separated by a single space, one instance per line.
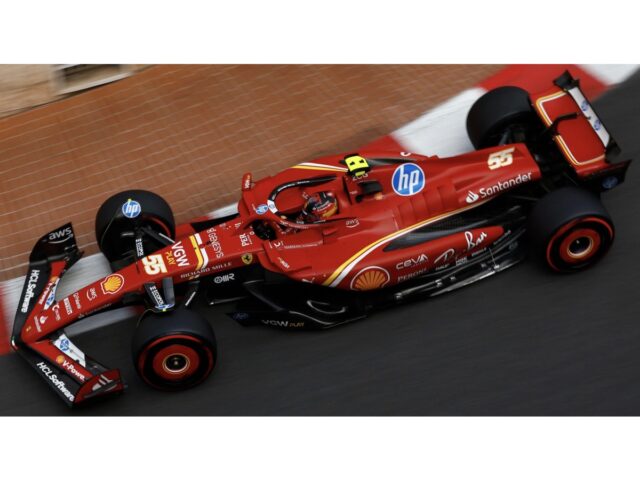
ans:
x=319 y=206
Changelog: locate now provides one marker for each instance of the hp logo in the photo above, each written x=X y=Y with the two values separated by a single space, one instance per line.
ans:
x=261 y=209
x=408 y=179
x=131 y=209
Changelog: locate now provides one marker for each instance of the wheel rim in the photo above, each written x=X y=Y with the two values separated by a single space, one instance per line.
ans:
x=580 y=245
x=175 y=361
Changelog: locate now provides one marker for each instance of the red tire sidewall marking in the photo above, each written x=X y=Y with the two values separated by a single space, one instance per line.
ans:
x=567 y=227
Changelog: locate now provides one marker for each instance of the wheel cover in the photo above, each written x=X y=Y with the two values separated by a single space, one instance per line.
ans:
x=579 y=243
x=175 y=361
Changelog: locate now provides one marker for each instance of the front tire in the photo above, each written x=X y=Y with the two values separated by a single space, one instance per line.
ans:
x=570 y=229
x=121 y=214
x=175 y=350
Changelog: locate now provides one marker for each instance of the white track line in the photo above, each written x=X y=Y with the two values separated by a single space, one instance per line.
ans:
x=441 y=131
x=610 y=74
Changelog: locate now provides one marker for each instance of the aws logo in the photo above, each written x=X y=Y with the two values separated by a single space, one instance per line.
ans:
x=61 y=236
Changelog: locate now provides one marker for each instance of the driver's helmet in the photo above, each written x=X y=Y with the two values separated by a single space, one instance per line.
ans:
x=319 y=206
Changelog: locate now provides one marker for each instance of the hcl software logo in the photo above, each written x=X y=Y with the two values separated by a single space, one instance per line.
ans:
x=408 y=179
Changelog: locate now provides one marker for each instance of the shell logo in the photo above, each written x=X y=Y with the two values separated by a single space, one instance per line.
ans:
x=370 y=278
x=59 y=359
x=112 y=284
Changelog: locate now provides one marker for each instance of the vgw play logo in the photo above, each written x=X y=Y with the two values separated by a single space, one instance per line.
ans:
x=408 y=179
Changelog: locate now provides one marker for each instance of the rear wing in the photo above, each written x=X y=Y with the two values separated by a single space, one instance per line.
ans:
x=74 y=376
x=580 y=134
x=572 y=86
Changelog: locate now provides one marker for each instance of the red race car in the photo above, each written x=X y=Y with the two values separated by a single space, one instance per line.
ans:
x=327 y=242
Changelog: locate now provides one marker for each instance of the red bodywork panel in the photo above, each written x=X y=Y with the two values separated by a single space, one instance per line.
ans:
x=337 y=254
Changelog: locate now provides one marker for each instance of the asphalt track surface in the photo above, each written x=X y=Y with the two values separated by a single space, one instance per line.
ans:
x=523 y=342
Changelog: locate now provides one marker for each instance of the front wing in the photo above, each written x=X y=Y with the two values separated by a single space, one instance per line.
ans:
x=74 y=376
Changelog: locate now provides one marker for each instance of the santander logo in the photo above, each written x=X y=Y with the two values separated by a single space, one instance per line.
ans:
x=499 y=186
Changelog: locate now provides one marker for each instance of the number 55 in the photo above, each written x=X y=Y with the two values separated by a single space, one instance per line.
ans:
x=500 y=159
x=154 y=264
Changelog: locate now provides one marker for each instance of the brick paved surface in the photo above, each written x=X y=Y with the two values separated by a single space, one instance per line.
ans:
x=189 y=132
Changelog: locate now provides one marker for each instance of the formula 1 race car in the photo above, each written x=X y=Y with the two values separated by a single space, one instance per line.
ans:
x=328 y=242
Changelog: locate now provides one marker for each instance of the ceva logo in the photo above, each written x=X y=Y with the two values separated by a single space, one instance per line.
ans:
x=408 y=179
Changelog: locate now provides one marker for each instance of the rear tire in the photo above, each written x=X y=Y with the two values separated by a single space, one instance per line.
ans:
x=175 y=350
x=126 y=211
x=570 y=229
x=498 y=110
